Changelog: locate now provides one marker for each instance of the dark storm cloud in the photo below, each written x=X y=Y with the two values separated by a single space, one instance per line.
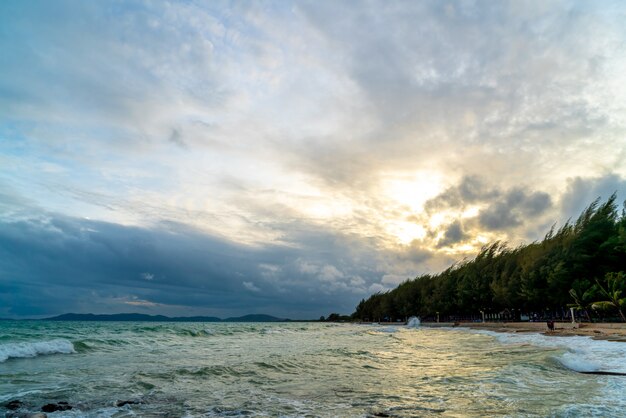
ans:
x=502 y=209
x=513 y=208
x=470 y=190
x=52 y=264
x=452 y=235
x=499 y=210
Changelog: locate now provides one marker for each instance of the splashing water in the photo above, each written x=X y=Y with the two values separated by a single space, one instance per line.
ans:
x=34 y=349
x=413 y=322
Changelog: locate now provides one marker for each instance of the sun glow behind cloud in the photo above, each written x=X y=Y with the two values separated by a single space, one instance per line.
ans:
x=412 y=190
x=405 y=194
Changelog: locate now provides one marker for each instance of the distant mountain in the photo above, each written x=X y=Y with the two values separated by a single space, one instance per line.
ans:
x=131 y=317
x=255 y=318
x=160 y=318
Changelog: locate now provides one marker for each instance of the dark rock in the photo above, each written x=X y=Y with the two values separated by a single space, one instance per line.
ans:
x=13 y=405
x=53 y=407
x=127 y=402
x=603 y=373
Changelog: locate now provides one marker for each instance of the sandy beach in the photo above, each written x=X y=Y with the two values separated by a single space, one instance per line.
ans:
x=599 y=331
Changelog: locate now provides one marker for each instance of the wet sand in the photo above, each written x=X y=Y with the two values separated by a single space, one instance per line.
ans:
x=598 y=331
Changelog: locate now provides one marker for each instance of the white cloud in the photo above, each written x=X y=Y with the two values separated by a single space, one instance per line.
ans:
x=251 y=287
x=376 y=287
x=270 y=271
x=330 y=273
x=357 y=281
x=393 y=279
x=307 y=267
x=138 y=302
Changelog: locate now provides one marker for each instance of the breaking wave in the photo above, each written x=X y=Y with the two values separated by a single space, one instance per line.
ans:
x=580 y=354
x=34 y=349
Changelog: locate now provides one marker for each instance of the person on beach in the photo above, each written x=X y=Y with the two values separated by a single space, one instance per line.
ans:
x=550 y=325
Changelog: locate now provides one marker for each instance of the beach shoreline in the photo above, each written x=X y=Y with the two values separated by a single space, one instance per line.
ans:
x=597 y=331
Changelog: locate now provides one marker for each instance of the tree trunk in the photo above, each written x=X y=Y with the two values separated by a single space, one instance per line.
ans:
x=621 y=314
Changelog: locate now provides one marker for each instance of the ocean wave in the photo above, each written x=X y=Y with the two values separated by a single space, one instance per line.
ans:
x=82 y=347
x=216 y=370
x=184 y=332
x=34 y=349
x=580 y=354
x=180 y=331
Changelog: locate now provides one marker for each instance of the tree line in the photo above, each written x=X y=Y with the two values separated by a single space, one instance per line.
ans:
x=581 y=264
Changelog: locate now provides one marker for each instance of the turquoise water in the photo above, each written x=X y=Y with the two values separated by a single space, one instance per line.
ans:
x=304 y=370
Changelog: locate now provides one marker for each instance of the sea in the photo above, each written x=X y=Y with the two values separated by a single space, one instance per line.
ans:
x=140 y=369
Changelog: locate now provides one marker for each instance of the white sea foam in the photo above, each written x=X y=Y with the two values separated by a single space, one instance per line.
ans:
x=389 y=330
x=273 y=331
x=582 y=354
x=34 y=349
x=18 y=395
x=107 y=412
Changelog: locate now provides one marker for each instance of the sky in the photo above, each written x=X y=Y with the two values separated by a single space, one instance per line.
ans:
x=291 y=158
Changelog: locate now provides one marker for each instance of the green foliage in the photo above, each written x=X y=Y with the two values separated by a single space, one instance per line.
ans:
x=613 y=292
x=583 y=299
x=546 y=274
x=335 y=317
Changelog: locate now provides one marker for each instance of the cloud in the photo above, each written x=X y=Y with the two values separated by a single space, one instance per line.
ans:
x=58 y=263
x=306 y=267
x=135 y=301
x=393 y=279
x=376 y=288
x=251 y=286
x=476 y=211
x=330 y=273
x=514 y=208
x=176 y=138
x=452 y=235
x=470 y=190
x=580 y=192
x=476 y=76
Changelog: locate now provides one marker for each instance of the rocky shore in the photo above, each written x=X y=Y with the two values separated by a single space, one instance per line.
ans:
x=18 y=409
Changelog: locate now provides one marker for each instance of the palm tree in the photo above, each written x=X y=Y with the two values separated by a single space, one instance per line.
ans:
x=582 y=302
x=613 y=293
